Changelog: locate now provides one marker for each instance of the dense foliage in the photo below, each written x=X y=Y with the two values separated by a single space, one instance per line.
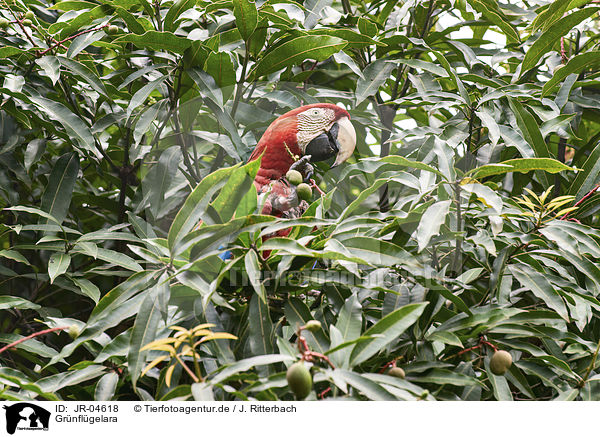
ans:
x=460 y=225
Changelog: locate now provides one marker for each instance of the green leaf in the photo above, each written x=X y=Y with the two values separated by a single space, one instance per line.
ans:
x=540 y=287
x=179 y=7
x=58 y=264
x=367 y=387
x=374 y=76
x=144 y=329
x=142 y=94
x=431 y=222
x=588 y=177
x=14 y=255
x=492 y=13
x=111 y=256
x=195 y=205
x=75 y=126
x=521 y=165
x=87 y=288
x=297 y=50
x=548 y=38
x=260 y=327
x=160 y=178
x=530 y=129
x=8 y=51
x=253 y=270
x=153 y=40
x=444 y=376
x=575 y=65
x=57 y=196
x=228 y=371
x=11 y=302
x=385 y=331
x=549 y=15
x=82 y=42
x=297 y=314
x=445 y=337
x=246 y=17
x=51 y=66
x=106 y=387
x=85 y=73
x=220 y=66
x=239 y=183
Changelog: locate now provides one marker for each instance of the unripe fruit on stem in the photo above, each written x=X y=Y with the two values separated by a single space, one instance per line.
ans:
x=112 y=30
x=294 y=177
x=30 y=15
x=313 y=325
x=397 y=372
x=299 y=380
x=27 y=22
x=500 y=362
x=304 y=192
x=4 y=23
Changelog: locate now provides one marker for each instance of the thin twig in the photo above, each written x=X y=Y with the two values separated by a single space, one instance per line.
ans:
x=20 y=23
x=583 y=199
x=29 y=337
x=70 y=38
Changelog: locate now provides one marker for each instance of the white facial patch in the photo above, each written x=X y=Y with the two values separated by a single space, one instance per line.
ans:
x=312 y=123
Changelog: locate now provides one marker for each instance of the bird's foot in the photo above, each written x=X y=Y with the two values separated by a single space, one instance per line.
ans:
x=304 y=166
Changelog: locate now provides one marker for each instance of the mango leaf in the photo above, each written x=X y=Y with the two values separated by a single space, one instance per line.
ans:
x=179 y=7
x=51 y=67
x=260 y=336
x=142 y=94
x=540 y=287
x=385 y=331
x=87 y=288
x=297 y=314
x=57 y=196
x=588 y=177
x=431 y=221
x=223 y=373
x=367 y=387
x=374 y=76
x=153 y=40
x=547 y=39
x=253 y=271
x=106 y=387
x=11 y=302
x=75 y=126
x=575 y=65
x=58 y=264
x=144 y=329
x=549 y=15
x=246 y=17
x=522 y=165
x=195 y=205
x=297 y=50
x=492 y=13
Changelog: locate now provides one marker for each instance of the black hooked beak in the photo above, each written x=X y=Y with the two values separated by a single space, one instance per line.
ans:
x=324 y=146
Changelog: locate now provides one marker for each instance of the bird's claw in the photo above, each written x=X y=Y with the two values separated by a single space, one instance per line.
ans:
x=304 y=166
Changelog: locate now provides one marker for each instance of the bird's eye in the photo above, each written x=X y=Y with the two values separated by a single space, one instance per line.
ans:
x=316 y=112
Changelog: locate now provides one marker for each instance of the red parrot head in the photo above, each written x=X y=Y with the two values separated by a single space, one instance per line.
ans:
x=321 y=130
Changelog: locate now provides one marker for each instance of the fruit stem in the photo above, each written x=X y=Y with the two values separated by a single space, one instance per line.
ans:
x=314 y=185
x=29 y=337
x=52 y=47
